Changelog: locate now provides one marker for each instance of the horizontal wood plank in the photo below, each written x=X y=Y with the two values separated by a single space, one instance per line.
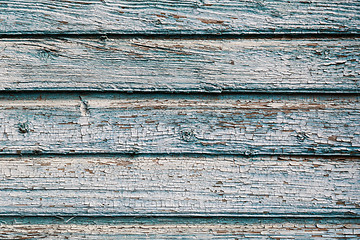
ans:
x=165 y=228
x=168 y=16
x=166 y=123
x=180 y=186
x=175 y=65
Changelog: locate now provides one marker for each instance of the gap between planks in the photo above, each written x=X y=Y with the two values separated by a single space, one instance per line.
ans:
x=178 y=36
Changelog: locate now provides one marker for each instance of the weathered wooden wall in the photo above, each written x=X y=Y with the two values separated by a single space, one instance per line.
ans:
x=179 y=119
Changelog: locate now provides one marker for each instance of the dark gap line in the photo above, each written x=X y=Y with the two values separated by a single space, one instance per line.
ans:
x=194 y=155
x=304 y=92
x=184 y=35
x=205 y=216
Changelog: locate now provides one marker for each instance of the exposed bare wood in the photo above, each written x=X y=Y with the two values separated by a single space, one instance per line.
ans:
x=155 y=228
x=127 y=65
x=180 y=186
x=169 y=16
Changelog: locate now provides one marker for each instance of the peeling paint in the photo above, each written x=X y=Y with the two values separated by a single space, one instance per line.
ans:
x=181 y=65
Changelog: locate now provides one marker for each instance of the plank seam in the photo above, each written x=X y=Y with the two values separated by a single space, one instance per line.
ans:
x=285 y=92
x=89 y=217
x=199 y=215
x=116 y=154
x=214 y=36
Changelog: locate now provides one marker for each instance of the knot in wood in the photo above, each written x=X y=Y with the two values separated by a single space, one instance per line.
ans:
x=188 y=135
x=301 y=136
x=248 y=153
x=23 y=127
x=104 y=37
x=47 y=54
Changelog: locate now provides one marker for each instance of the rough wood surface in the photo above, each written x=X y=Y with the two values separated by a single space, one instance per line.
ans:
x=178 y=228
x=165 y=123
x=179 y=186
x=188 y=16
x=174 y=65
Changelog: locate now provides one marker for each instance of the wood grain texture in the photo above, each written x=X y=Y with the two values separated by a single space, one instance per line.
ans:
x=180 y=186
x=174 y=65
x=165 y=123
x=178 y=228
x=184 y=17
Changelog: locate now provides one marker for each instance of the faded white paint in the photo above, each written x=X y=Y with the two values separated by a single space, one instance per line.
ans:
x=165 y=123
x=127 y=65
x=180 y=228
x=179 y=17
x=180 y=185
